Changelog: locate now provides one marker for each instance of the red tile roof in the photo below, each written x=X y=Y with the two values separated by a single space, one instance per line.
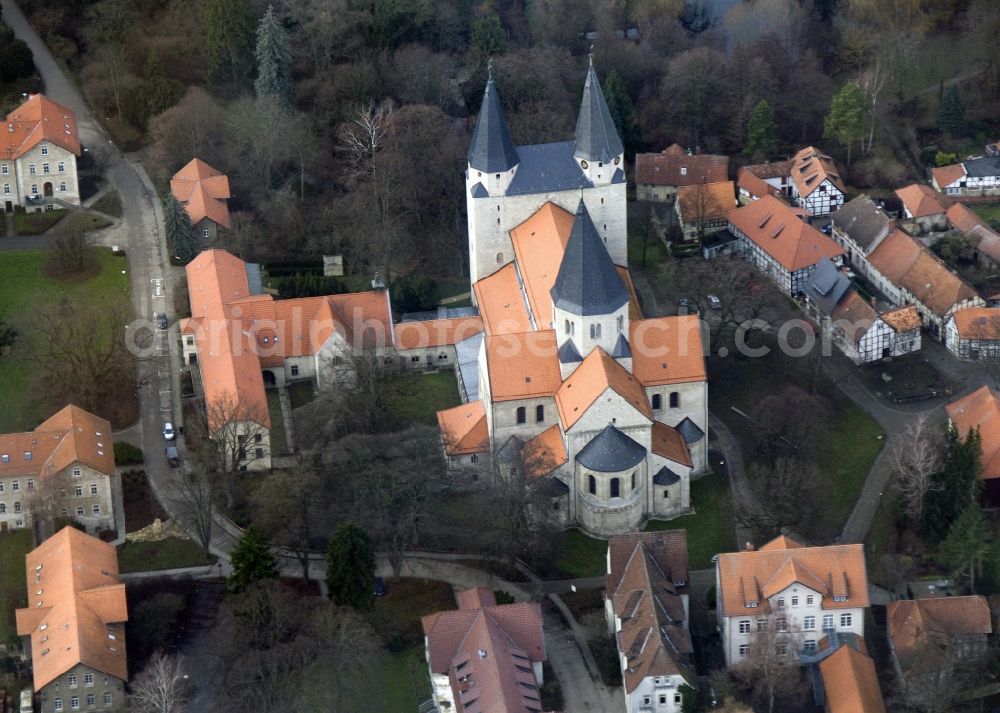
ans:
x=36 y=120
x=919 y=628
x=944 y=176
x=71 y=435
x=708 y=201
x=777 y=229
x=922 y=201
x=75 y=604
x=203 y=191
x=674 y=167
x=501 y=302
x=667 y=442
x=851 y=683
x=436 y=332
x=855 y=314
x=980 y=409
x=667 y=350
x=597 y=374
x=810 y=167
x=545 y=452
x=522 y=366
x=463 y=429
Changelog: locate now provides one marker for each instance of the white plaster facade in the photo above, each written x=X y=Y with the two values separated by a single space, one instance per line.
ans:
x=46 y=170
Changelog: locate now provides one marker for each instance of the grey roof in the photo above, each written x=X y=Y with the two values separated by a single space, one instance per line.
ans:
x=665 y=476
x=547 y=167
x=979 y=167
x=622 y=349
x=619 y=176
x=479 y=191
x=587 y=283
x=596 y=136
x=554 y=488
x=491 y=149
x=863 y=221
x=568 y=353
x=440 y=313
x=690 y=430
x=611 y=451
x=254 y=282
x=826 y=286
x=467 y=354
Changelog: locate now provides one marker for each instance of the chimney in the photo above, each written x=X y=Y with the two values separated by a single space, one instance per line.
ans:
x=482 y=653
x=748 y=547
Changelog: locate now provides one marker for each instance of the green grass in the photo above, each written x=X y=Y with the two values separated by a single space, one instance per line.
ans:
x=711 y=529
x=406 y=680
x=13 y=593
x=987 y=212
x=25 y=289
x=83 y=222
x=109 y=204
x=279 y=442
x=171 y=553
x=581 y=555
x=855 y=442
x=301 y=392
x=36 y=223
x=420 y=397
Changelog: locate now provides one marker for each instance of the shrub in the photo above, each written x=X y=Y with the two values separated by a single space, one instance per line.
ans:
x=127 y=454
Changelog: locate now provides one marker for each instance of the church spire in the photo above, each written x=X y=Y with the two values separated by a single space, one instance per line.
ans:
x=491 y=150
x=596 y=136
x=588 y=283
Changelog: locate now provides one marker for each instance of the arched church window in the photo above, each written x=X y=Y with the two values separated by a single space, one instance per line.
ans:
x=540 y=413
x=521 y=414
x=633 y=480
x=657 y=402
x=592 y=485
x=675 y=399
x=567 y=327
x=595 y=331
x=621 y=323
x=616 y=487
x=499 y=255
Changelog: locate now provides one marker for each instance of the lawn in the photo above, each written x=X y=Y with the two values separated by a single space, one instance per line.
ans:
x=25 y=289
x=171 y=553
x=109 y=204
x=301 y=392
x=406 y=679
x=418 y=398
x=855 y=442
x=83 y=222
x=36 y=223
x=581 y=555
x=279 y=443
x=13 y=593
x=141 y=507
x=711 y=528
x=989 y=213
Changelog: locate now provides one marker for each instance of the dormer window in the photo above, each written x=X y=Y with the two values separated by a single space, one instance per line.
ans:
x=684 y=170
x=5 y=457
x=839 y=598
x=27 y=455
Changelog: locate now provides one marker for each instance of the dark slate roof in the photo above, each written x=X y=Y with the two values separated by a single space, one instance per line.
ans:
x=665 y=476
x=510 y=452
x=596 y=136
x=619 y=176
x=547 y=167
x=863 y=221
x=587 y=283
x=467 y=353
x=479 y=191
x=611 y=451
x=979 y=167
x=491 y=149
x=826 y=286
x=568 y=353
x=689 y=429
x=622 y=349
x=554 y=488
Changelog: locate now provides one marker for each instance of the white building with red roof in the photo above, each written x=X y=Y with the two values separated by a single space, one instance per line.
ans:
x=809 y=180
x=203 y=191
x=39 y=145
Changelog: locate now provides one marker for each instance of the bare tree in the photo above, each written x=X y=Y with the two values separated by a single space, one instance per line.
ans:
x=769 y=670
x=195 y=510
x=916 y=455
x=160 y=688
x=872 y=80
x=785 y=495
x=72 y=252
x=792 y=419
x=287 y=511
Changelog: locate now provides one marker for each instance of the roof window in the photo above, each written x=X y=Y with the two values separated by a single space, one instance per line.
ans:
x=27 y=455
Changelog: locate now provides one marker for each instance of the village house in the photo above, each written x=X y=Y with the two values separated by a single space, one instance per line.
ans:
x=923 y=207
x=484 y=656
x=975 y=177
x=850 y=682
x=203 y=191
x=242 y=341
x=606 y=411
x=974 y=333
x=755 y=181
x=859 y=227
x=659 y=176
x=818 y=188
x=646 y=604
x=966 y=221
x=779 y=242
x=802 y=592
x=981 y=409
x=38 y=151
x=61 y=471
x=74 y=624
x=857 y=329
x=931 y=639
x=703 y=208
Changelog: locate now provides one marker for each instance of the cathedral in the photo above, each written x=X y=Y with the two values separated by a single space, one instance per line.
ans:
x=609 y=409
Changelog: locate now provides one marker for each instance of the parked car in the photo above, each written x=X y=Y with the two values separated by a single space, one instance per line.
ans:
x=172 y=456
x=161 y=320
x=827 y=228
x=684 y=305
x=168 y=431
x=380 y=588
x=714 y=302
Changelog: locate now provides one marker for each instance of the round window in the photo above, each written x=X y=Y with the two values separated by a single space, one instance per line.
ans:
x=584 y=164
x=617 y=159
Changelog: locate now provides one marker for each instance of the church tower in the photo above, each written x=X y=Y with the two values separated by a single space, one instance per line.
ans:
x=599 y=149
x=589 y=298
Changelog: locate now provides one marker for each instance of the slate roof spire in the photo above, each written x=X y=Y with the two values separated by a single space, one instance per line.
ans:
x=596 y=136
x=588 y=282
x=491 y=150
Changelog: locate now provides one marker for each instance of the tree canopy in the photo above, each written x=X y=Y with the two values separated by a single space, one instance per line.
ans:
x=350 y=567
x=251 y=560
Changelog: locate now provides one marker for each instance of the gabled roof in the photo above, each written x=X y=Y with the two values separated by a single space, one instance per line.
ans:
x=749 y=180
x=855 y=315
x=749 y=575
x=501 y=302
x=596 y=374
x=902 y=319
x=665 y=476
x=675 y=167
x=596 y=136
x=587 y=282
x=980 y=409
x=706 y=201
x=545 y=452
x=203 y=191
x=523 y=365
x=421 y=334
x=75 y=602
x=611 y=451
x=71 y=435
x=978 y=323
x=463 y=429
x=491 y=150
x=944 y=176
x=921 y=200
x=826 y=286
x=863 y=221
x=919 y=629
x=667 y=350
x=539 y=243
x=963 y=218
x=779 y=232
x=810 y=167
x=851 y=683
x=983 y=166
x=669 y=443
x=690 y=430
x=38 y=119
